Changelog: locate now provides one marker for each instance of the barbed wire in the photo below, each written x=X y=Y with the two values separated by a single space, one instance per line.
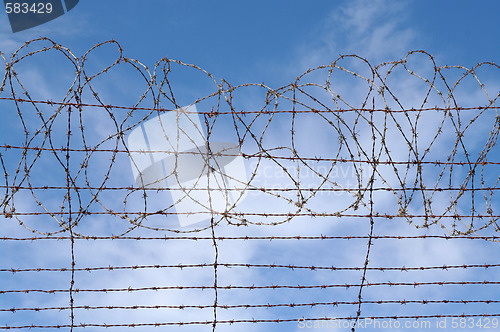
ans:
x=438 y=162
x=248 y=265
x=254 y=321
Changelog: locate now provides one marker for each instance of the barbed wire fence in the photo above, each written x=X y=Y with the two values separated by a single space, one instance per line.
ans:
x=433 y=167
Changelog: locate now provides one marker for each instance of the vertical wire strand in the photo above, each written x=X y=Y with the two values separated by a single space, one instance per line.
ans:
x=216 y=259
x=370 y=236
x=70 y=221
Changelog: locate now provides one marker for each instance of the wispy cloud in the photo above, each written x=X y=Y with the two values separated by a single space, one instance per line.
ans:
x=377 y=30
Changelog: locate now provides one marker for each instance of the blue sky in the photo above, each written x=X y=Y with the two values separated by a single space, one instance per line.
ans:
x=253 y=42
x=243 y=40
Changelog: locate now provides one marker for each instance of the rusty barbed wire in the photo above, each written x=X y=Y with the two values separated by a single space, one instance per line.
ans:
x=254 y=321
x=249 y=238
x=267 y=305
x=421 y=154
x=252 y=287
x=248 y=265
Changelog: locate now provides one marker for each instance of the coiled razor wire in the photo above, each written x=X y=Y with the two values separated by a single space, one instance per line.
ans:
x=377 y=136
